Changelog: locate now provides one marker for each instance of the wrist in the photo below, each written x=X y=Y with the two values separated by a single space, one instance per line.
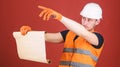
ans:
x=60 y=17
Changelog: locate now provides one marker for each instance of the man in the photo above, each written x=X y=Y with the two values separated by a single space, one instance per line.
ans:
x=83 y=45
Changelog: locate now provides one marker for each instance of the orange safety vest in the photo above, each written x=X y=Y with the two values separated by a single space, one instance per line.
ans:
x=78 y=53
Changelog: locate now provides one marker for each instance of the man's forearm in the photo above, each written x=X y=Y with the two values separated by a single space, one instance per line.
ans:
x=73 y=26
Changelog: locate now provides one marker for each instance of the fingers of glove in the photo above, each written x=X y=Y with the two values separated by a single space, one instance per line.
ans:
x=49 y=16
x=23 y=32
x=43 y=12
x=25 y=29
x=45 y=15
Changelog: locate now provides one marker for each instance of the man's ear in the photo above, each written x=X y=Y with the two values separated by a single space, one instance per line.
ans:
x=97 y=22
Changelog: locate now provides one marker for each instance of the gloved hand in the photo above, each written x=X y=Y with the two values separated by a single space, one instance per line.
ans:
x=47 y=13
x=25 y=29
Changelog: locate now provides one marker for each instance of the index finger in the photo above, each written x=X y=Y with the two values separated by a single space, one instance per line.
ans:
x=41 y=7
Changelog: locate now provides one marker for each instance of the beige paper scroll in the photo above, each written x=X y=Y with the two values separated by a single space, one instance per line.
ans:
x=31 y=46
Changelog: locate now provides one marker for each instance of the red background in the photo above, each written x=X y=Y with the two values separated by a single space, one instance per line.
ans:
x=15 y=13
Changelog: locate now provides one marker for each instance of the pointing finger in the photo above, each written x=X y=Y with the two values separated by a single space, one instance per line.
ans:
x=41 y=7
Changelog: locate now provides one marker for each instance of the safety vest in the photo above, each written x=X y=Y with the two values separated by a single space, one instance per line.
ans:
x=79 y=52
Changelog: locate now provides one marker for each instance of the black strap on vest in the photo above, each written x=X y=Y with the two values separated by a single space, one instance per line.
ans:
x=75 y=38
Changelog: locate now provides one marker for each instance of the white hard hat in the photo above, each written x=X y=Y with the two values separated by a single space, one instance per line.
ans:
x=92 y=10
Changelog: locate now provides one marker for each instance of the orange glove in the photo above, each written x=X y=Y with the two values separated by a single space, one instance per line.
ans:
x=25 y=29
x=48 y=13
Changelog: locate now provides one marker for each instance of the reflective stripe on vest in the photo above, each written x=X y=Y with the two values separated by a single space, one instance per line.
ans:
x=74 y=64
x=81 y=51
